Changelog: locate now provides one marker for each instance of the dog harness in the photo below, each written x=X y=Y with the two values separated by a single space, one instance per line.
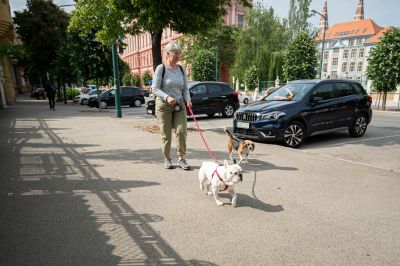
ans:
x=219 y=177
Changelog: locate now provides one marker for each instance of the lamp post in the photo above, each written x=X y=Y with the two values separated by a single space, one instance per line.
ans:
x=59 y=39
x=323 y=42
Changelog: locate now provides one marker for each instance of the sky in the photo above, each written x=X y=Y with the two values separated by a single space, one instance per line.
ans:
x=383 y=12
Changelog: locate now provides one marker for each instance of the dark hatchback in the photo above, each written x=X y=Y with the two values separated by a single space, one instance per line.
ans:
x=303 y=108
x=210 y=98
x=131 y=96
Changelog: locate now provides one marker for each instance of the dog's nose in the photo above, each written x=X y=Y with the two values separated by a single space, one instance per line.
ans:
x=240 y=177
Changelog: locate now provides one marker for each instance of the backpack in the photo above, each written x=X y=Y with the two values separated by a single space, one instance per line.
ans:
x=163 y=74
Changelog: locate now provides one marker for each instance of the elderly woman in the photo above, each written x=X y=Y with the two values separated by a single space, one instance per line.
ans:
x=170 y=87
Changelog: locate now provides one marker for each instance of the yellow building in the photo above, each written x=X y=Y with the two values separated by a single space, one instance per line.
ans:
x=7 y=90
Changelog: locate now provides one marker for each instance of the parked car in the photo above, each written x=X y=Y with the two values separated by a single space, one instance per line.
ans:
x=146 y=93
x=84 y=98
x=244 y=98
x=303 y=108
x=38 y=93
x=131 y=96
x=209 y=97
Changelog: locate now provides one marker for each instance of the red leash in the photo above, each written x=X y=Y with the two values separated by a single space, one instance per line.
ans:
x=202 y=137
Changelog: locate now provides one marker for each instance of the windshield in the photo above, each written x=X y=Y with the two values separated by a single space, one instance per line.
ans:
x=290 y=92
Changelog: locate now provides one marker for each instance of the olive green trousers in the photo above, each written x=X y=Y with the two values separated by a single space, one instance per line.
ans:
x=169 y=119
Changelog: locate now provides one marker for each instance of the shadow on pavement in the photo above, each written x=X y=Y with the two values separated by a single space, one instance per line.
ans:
x=56 y=209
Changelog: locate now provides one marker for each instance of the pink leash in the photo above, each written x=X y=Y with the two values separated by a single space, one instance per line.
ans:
x=202 y=137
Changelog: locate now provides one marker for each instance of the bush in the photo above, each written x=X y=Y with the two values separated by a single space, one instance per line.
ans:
x=71 y=93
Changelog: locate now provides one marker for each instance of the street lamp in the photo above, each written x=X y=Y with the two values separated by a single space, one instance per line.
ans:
x=323 y=42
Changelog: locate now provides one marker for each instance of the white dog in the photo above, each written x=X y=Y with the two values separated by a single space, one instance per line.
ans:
x=220 y=178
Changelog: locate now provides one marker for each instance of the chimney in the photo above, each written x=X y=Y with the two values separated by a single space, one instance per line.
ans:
x=324 y=21
x=360 y=11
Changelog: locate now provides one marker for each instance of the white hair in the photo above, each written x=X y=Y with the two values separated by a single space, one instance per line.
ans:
x=173 y=47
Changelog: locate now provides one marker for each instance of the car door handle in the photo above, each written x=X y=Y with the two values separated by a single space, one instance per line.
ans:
x=223 y=96
x=205 y=98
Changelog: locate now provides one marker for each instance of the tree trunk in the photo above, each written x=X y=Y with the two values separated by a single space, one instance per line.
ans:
x=384 y=101
x=156 y=48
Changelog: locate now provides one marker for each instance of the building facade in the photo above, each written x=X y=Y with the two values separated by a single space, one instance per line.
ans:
x=347 y=46
x=138 y=54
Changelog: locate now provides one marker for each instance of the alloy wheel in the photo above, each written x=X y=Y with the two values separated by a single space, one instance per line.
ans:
x=293 y=135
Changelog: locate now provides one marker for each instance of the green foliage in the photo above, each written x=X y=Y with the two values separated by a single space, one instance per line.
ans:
x=41 y=27
x=299 y=13
x=384 y=62
x=276 y=65
x=301 y=58
x=114 y=17
x=127 y=80
x=251 y=77
x=146 y=76
x=136 y=80
x=203 y=67
x=264 y=35
x=71 y=93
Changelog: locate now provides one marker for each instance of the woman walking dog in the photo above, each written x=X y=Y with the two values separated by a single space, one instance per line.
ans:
x=170 y=87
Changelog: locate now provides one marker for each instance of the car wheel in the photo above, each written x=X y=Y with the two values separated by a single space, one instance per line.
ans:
x=359 y=126
x=137 y=103
x=84 y=101
x=246 y=101
x=103 y=105
x=228 y=110
x=294 y=135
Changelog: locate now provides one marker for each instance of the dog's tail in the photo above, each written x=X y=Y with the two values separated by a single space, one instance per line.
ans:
x=230 y=134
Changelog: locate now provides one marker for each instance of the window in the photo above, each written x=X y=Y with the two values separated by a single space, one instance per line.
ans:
x=336 y=50
x=214 y=88
x=334 y=62
x=359 y=66
x=361 y=52
x=352 y=66
x=344 y=67
x=325 y=91
x=359 y=41
x=325 y=67
x=326 y=54
x=353 y=53
x=345 y=54
x=344 y=89
x=334 y=74
x=198 y=90
x=240 y=20
x=351 y=42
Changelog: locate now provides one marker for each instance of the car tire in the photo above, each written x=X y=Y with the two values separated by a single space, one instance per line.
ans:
x=228 y=110
x=246 y=101
x=84 y=101
x=294 y=134
x=137 y=102
x=103 y=105
x=359 y=126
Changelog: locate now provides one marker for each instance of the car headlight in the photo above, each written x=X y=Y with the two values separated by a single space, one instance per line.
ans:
x=272 y=115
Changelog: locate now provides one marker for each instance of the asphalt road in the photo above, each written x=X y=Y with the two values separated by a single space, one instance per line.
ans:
x=80 y=187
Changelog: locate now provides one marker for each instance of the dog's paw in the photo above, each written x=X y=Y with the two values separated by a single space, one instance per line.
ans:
x=220 y=203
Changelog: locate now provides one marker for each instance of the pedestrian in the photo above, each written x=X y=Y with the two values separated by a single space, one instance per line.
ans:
x=51 y=95
x=172 y=94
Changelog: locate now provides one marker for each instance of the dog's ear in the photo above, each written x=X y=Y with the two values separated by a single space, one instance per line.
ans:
x=234 y=161
x=226 y=163
x=253 y=146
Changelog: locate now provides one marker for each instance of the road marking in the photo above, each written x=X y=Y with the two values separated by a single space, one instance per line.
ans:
x=355 y=141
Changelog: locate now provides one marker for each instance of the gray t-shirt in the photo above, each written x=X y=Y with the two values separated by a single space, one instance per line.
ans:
x=174 y=84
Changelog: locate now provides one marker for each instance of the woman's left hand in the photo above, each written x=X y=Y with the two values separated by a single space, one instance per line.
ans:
x=189 y=105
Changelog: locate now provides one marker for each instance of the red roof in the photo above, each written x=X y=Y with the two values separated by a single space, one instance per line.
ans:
x=351 y=29
x=376 y=38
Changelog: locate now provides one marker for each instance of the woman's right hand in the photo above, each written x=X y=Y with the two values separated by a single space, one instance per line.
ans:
x=171 y=100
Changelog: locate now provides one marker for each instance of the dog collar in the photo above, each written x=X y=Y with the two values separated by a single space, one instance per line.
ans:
x=219 y=177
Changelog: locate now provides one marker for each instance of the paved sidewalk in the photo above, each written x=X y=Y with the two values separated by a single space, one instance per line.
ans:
x=80 y=187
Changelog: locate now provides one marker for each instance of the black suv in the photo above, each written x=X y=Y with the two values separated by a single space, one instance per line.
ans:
x=303 y=108
x=209 y=97
x=131 y=96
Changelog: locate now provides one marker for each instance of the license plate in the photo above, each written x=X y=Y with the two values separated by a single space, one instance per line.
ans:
x=243 y=125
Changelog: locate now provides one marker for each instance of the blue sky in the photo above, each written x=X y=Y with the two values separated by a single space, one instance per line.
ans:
x=383 y=12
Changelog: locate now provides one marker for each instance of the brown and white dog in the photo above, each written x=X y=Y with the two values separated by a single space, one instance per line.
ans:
x=243 y=147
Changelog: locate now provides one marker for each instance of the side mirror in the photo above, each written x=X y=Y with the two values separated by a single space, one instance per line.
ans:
x=315 y=100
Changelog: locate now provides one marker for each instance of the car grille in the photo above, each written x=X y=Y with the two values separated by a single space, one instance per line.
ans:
x=250 y=117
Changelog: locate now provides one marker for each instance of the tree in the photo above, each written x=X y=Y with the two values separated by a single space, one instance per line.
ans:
x=146 y=76
x=203 y=67
x=41 y=27
x=264 y=35
x=384 y=63
x=126 y=16
x=299 y=13
x=251 y=77
x=136 y=80
x=300 y=58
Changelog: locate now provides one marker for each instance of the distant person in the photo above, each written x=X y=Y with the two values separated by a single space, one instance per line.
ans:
x=51 y=95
